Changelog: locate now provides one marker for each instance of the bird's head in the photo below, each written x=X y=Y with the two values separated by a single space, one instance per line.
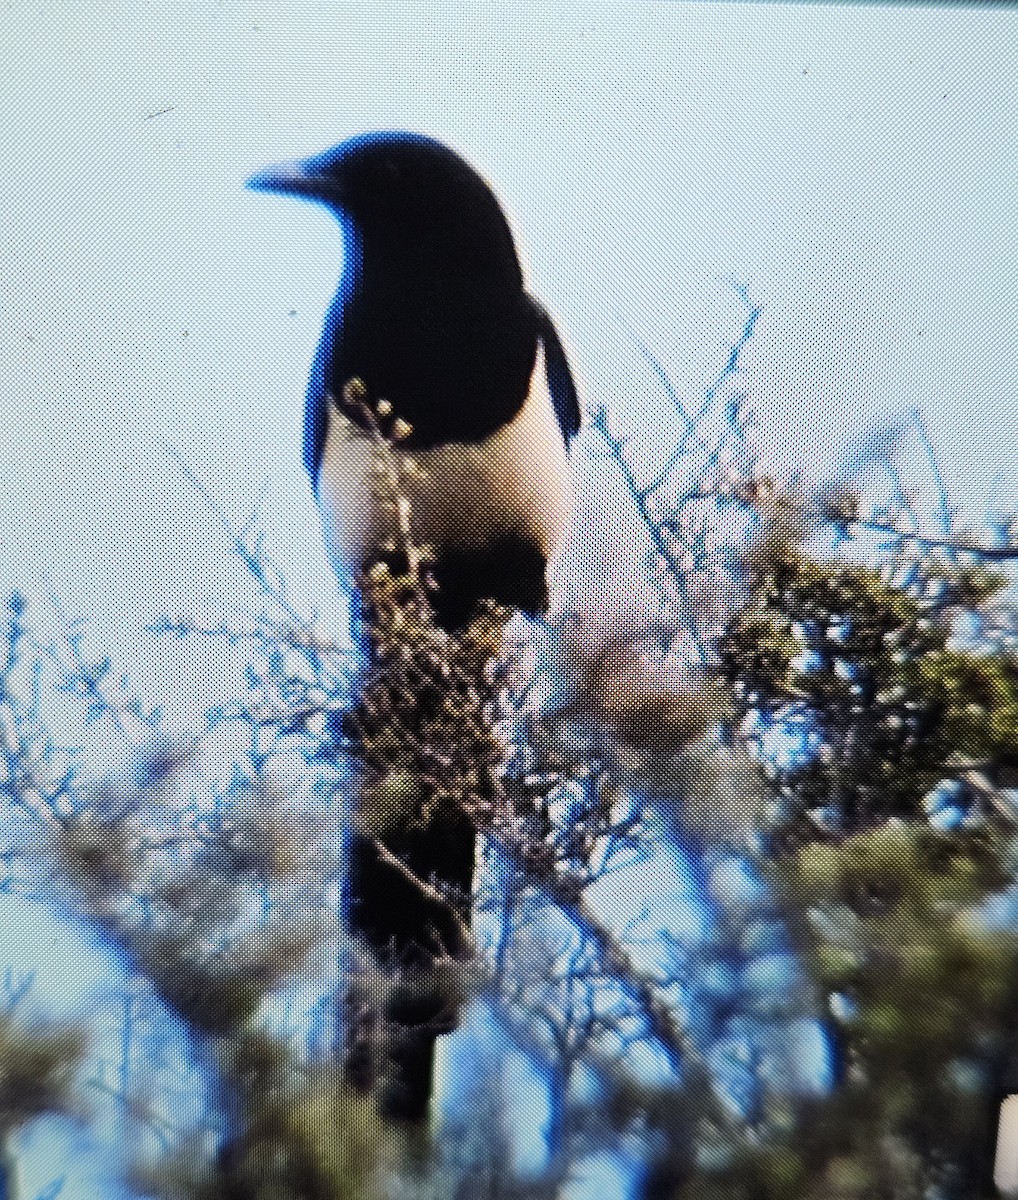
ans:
x=409 y=198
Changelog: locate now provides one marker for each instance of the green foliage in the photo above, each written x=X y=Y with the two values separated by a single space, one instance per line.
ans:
x=888 y=912
x=303 y=1135
x=867 y=667
x=925 y=992
x=40 y=1064
x=975 y=698
x=39 y=1061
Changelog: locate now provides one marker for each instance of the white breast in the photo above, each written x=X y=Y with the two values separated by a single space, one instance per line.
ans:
x=517 y=481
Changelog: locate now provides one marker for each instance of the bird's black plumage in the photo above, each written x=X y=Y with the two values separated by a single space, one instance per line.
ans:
x=432 y=315
x=431 y=312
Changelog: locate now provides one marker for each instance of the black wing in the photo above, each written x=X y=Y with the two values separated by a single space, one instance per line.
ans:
x=560 y=378
x=317 y=398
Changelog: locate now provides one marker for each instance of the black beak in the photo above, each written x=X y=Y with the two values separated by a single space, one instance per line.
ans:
x=291 y=179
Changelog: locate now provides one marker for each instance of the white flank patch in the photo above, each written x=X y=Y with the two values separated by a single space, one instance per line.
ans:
x=516 y=481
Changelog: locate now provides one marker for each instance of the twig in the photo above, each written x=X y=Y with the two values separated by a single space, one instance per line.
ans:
x=426 y=890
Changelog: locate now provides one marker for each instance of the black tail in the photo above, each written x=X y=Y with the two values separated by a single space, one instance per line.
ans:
x=391 y=1038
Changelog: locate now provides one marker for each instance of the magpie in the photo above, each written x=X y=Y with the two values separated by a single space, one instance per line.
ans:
x=432 y=316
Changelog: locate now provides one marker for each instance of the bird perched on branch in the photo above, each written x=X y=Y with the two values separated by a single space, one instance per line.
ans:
x=432 y=317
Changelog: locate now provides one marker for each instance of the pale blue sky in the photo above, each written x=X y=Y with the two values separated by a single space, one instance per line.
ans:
x=852 y=165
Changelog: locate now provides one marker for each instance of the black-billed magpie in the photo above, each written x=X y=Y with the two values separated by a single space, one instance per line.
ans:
x=431 y=314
